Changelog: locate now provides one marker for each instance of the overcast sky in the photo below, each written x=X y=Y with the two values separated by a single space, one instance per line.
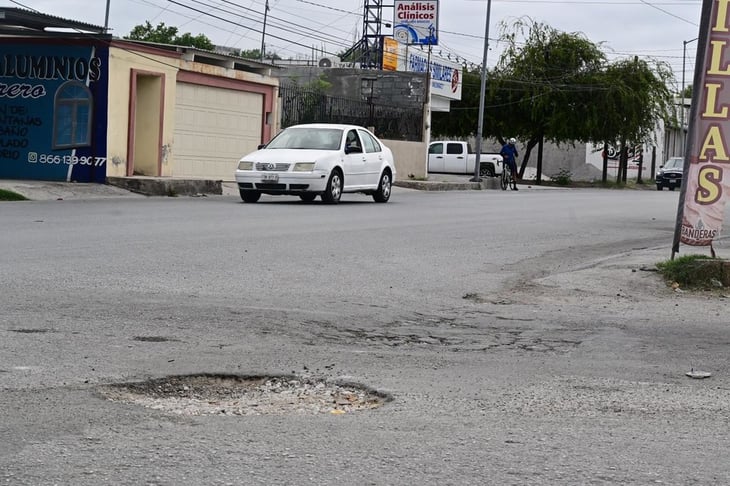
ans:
x=647 y=28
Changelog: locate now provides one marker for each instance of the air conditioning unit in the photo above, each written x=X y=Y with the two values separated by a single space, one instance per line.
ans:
x=329 y=62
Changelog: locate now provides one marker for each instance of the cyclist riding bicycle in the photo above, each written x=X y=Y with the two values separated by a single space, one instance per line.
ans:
x=509 y=154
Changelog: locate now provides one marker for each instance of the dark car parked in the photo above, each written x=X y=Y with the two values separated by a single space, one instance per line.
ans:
x=670 y=174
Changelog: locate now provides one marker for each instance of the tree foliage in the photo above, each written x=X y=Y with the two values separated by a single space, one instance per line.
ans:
x=558 y=86
x=256 y=54
x=162 y=34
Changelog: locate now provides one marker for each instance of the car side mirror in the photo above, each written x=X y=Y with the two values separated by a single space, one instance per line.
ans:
x=261 y=145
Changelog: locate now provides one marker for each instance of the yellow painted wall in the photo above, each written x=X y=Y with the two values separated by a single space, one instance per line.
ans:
x=121 y=63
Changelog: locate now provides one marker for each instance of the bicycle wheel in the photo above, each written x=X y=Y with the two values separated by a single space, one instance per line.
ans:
x=504 y=180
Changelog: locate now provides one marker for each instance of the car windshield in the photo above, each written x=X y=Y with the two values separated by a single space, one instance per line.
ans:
x=307 y=138
x=674 y=163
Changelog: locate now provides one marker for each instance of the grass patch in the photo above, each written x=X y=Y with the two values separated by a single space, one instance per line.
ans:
x=6 y=195
x=695 y=272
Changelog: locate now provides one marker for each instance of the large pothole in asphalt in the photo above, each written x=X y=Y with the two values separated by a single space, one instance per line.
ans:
x=207 y=394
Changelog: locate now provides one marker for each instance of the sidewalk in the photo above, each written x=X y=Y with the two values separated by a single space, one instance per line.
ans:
x=139 y=187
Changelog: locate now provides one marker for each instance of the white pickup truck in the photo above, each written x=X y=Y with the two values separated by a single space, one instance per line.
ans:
x=452 y=157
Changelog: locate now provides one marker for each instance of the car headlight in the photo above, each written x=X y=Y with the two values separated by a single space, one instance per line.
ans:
x=303 y=167
x=245 y=165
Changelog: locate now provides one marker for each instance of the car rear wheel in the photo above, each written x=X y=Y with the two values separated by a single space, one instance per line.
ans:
x=250 y=196
x=308 y=197
x=384 y=188
x=333 y=192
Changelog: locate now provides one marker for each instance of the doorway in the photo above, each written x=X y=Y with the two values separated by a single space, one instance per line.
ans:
x=147 y=101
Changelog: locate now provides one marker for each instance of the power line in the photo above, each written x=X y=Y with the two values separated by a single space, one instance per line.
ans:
x=669 y=13
x=244 y=26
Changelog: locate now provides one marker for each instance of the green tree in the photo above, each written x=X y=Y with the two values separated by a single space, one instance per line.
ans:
x=199 y=41
x=256 y=54
x=642 y=97
x=162 y=34
x=543 y=86
x=555 y=86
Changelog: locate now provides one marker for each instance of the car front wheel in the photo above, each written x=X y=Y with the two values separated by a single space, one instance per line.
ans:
x=333 y=192
x=486 y=171
x=658 y=187
x=384 y=188
x=250 y=196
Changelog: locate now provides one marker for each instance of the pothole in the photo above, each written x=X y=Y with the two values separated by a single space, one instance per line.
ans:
x=154 y=339
x=207 y=394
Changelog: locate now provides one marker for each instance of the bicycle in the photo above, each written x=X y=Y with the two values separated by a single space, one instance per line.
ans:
x=506 y=178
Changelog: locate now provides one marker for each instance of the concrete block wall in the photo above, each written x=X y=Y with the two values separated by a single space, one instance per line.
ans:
x=410 y=159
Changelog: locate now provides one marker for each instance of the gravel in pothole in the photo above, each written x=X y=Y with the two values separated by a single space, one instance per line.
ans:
x=245 y=395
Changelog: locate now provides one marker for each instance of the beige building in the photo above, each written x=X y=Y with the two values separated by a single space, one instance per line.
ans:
x=185 y=113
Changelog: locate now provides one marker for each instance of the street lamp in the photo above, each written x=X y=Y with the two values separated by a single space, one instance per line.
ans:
x=681 y=93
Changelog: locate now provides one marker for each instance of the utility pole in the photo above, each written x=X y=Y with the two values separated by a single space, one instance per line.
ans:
x=480 y=122
x=681 y=94
x=263 y=32
x=106 y=18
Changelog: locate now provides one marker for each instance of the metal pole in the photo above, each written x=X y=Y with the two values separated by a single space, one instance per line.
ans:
x=480 y=121
x=263 y=32
x=681 y=94
x=700 y=60
x=106 y=18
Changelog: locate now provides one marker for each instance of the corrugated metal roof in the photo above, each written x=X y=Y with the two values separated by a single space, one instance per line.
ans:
x=22 y=21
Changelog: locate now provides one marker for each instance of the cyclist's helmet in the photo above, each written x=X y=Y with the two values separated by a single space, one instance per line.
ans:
x=512 y=141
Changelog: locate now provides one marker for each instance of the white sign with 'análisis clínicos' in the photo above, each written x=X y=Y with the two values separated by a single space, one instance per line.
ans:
x=416 y=22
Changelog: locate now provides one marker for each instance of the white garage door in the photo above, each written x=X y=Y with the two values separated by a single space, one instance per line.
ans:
x=214 y=128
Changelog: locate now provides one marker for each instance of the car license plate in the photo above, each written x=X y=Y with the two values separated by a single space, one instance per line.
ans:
x=270 y=177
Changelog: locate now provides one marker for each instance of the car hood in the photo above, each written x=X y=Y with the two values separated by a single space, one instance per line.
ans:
x=671 y=171
x=289 y=155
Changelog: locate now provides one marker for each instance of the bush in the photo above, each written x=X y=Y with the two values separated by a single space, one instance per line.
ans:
x=563 y=178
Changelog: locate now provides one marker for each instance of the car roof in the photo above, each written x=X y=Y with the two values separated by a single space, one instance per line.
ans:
x=327 y=125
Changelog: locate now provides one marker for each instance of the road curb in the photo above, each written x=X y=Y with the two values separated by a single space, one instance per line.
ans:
x=489 y=183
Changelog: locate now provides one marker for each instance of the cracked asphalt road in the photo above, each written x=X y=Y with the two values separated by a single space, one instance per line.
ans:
x=520 y=346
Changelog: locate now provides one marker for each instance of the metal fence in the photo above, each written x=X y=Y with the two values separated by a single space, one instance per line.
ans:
x=300 y=105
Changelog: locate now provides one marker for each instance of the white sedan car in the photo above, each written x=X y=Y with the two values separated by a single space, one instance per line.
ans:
x=318 y=159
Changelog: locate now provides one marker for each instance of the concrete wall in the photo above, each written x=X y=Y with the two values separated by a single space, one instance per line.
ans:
x=386 y=87
x=410 y=159
x=554 y=158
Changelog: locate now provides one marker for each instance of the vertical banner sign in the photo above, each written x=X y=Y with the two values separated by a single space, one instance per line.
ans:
x=416 y=22
x=707 y=156
x=390 y=54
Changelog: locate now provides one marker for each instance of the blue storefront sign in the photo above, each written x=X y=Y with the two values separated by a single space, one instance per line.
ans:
x=53 y=110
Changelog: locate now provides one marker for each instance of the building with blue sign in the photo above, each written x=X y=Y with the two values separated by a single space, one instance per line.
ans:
x=78 y=105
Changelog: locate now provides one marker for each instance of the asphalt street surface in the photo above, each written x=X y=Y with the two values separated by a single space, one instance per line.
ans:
x=521 y=337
